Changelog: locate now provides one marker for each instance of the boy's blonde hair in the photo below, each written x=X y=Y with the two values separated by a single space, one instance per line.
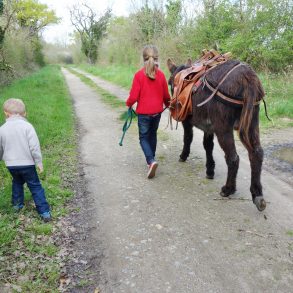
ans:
x=150 y=57
x=14 y=106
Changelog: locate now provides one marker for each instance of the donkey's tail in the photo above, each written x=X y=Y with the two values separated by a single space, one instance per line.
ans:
x=253 y=92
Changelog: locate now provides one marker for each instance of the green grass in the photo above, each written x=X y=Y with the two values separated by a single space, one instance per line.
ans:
x=279 y=93
x=278 y=88
x=27 y=251
x=119 y=74
x=106 y=97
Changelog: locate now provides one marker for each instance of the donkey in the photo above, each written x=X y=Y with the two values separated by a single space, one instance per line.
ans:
x=221 y=117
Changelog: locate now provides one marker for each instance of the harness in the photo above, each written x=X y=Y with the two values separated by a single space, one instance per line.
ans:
x=216 y=90
x=189 y=80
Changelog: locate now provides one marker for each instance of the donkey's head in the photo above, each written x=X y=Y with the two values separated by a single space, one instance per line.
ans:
x=174 y=69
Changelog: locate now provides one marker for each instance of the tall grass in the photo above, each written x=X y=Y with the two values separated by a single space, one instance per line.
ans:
x=119 y=74
x=23 y=237
x=279 y=99
x=278 y=88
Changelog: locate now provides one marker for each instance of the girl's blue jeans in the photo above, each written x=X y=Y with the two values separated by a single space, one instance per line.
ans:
x=28 y=175
x=147 y=127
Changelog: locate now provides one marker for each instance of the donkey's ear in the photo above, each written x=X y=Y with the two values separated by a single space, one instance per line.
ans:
x=189 y=62
x=170 y=64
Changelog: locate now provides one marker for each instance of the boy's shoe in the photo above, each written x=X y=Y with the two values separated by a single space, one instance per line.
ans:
x=46 y=216
x=152 y=170
x=18 y=207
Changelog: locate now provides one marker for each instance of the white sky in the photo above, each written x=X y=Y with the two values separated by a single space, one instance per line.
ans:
x=60 y=32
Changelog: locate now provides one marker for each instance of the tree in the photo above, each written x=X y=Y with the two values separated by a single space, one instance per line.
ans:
x=21 y=21
x=90 y=28
x=34 y=16
x=264 y=38
x=173 y=16
x=6 y=14
x=150 y=21
x=7 y=11
x=1 y=6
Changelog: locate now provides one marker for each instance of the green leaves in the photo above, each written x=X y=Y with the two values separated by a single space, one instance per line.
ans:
x=34 y=15
x=90 y=28
x=1 y=6
x=256 y=31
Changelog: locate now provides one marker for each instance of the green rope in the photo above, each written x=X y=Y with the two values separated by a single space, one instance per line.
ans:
x=130 y=114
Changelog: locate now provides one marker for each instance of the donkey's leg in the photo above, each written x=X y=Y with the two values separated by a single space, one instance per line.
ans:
x=255 y=153
x=208 y=144
x=187 y=140
x=227 y=143
x=256 y=158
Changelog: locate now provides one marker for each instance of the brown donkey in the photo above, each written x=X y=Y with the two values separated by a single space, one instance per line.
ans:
x=219 y=116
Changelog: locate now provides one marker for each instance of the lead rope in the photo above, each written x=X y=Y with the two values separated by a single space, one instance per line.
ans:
x=130 y=114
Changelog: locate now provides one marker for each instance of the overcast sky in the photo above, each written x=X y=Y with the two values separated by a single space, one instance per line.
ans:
x=61 y=31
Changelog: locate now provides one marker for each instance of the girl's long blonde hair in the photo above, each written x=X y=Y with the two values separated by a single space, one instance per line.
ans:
x=150 y=57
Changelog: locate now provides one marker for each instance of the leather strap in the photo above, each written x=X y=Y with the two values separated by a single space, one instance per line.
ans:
x=233 y=101
x=219 y=84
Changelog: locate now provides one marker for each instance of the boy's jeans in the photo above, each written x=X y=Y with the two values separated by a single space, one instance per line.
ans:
x=147 y=127
x=28 y=175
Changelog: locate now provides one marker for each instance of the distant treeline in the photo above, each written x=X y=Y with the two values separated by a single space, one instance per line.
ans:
x=259 y=32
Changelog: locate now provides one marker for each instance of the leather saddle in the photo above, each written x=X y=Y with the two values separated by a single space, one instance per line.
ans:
x=189 y=80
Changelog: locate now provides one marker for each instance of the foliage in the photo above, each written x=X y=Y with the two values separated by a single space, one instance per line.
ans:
x=121 y=45
x=22 y=19
x=90 y=28
x=1 y=6
x=150 y=23
x=259 y=32
x=38 y=54
x=30 y=259
x=264 y=38
x=173 y=16
x=34 y=16
x=256 y=31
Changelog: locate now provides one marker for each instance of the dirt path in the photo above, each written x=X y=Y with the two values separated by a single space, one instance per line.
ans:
x=174 y=233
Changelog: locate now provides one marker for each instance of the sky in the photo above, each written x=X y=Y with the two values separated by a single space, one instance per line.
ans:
x=60 y=33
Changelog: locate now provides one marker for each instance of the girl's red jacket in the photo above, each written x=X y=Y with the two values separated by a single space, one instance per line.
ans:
x=150 y=94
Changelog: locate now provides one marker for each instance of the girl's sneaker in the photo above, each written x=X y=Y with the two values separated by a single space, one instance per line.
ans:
x=46 y=216
x=152 y=170
x=18 y=207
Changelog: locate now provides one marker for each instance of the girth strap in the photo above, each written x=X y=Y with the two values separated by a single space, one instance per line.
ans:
x=219 y=94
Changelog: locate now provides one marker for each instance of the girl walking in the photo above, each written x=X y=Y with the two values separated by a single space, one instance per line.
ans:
x=150 y=91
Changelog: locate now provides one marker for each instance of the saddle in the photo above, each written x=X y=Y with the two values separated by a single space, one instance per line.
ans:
x=189 y=80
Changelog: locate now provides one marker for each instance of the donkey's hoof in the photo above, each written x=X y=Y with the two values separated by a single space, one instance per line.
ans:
x=226 y=191
x=182 y=160
x=209 y=176
x=260 y=203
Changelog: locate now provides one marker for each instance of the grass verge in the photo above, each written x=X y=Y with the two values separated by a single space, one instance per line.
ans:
x=29 y=258
x=278 y=88
x=106 y=97
x=119 y=74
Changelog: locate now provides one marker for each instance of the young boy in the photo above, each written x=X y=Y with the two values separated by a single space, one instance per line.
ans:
x=20 y=150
